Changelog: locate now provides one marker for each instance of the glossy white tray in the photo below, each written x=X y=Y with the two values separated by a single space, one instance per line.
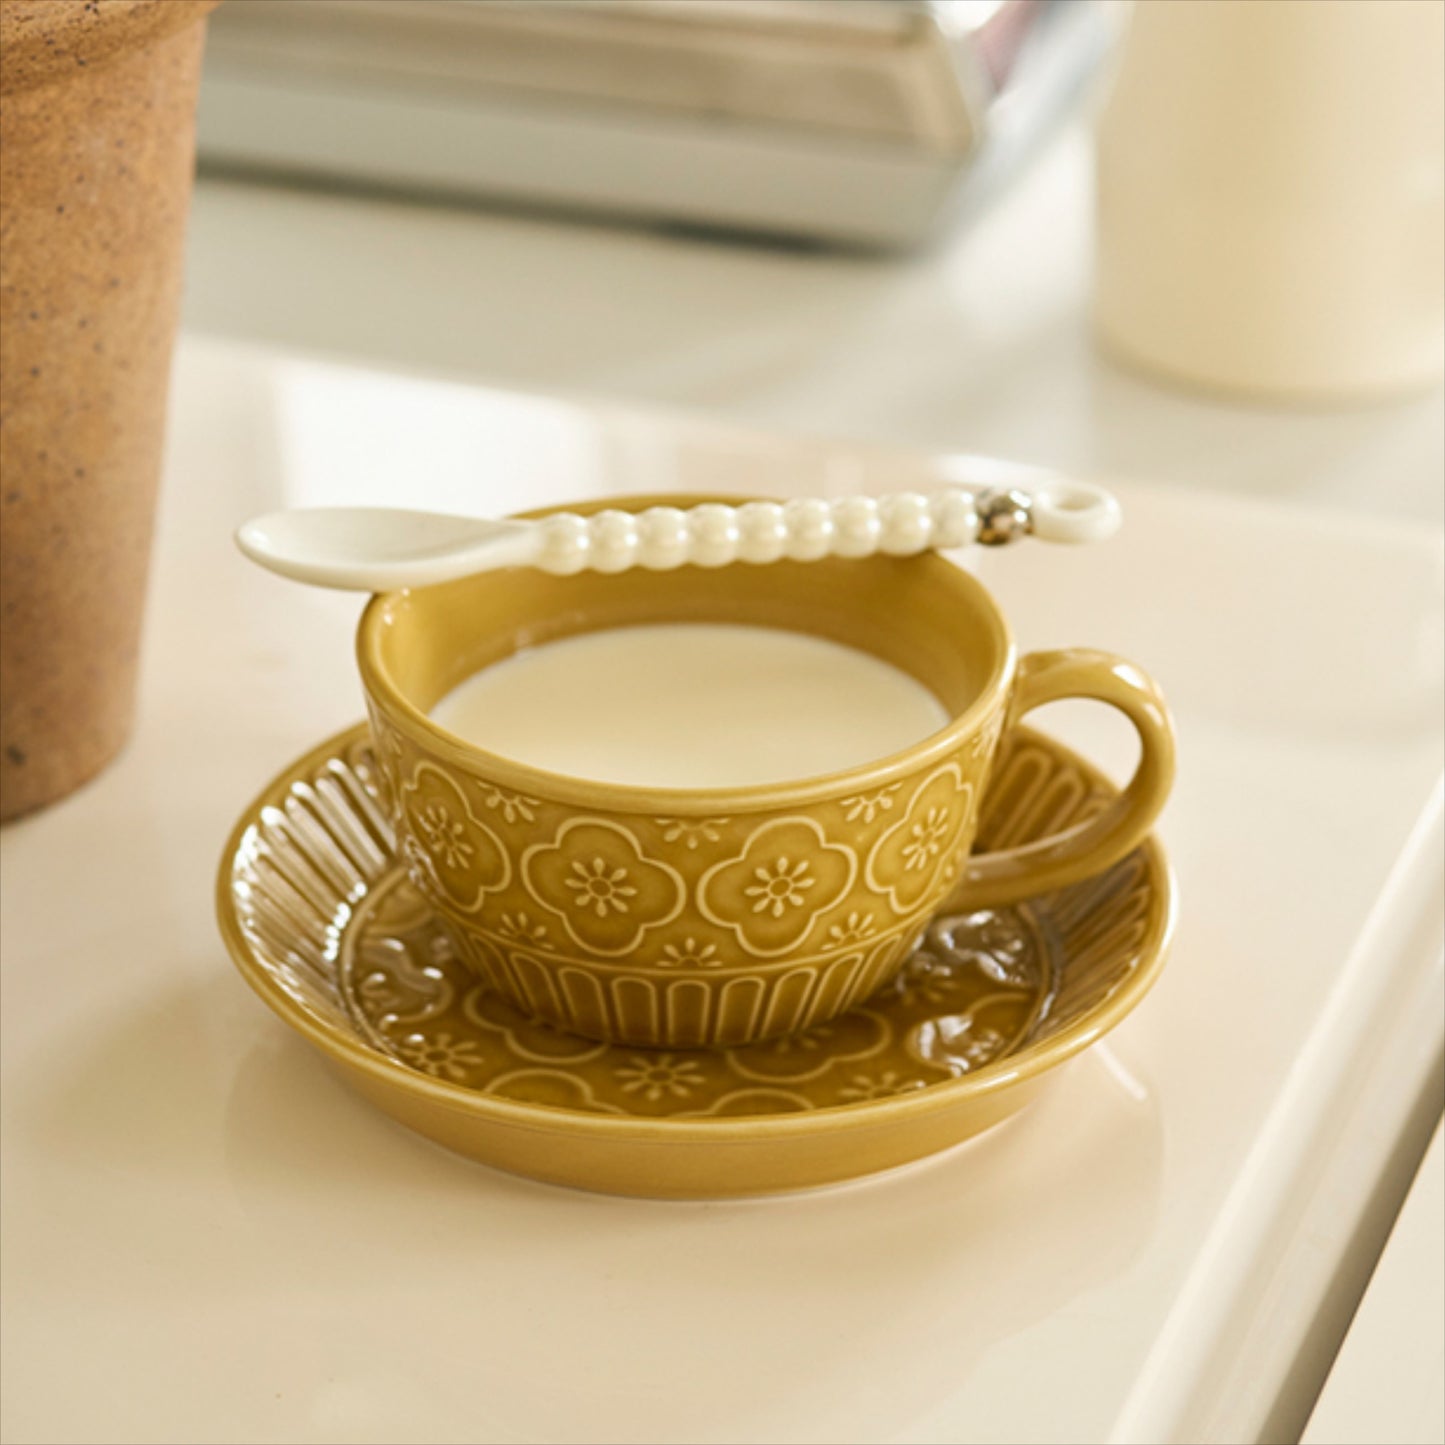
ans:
x=208 y=1238
x=1385 y=1382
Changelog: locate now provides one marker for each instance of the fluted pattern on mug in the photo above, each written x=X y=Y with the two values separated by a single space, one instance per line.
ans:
x=302 y=866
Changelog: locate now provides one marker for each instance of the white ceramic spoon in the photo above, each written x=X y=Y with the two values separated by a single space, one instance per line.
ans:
x=376 y=549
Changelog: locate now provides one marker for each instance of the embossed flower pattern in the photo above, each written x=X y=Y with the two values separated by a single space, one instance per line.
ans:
x=521 y=1039
x=926 y=978
x=596 y=885
x=690 y=954
x=519 y=928
x=877 y=1086
x=732 y=888
x=658 y=1076
x=853 y=929
x=865 y=807
x=770 y=893
x=781 y=884
x=969 y=996
x=449 y=847
x=907 y=861
x=441 y=1055
x=690 y=832
x=925 y=839
x=511 y=806
x=594 y=877
x=823 y=1049
x=807 y=1042
x=379 y=990
x=443 y=835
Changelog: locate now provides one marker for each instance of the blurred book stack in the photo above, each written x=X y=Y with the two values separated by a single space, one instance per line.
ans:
x=864 y=122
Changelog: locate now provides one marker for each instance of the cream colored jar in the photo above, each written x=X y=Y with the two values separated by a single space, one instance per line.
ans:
x=1271 y=185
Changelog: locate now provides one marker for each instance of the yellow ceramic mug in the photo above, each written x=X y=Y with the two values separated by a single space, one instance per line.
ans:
x=691 y=961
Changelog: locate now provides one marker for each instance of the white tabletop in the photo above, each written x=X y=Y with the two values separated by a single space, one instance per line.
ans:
x=207 y=1238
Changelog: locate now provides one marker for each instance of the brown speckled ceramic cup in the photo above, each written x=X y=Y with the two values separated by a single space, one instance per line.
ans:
x=96 y=152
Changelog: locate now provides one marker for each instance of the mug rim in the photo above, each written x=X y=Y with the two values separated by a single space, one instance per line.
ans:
x=572 y=790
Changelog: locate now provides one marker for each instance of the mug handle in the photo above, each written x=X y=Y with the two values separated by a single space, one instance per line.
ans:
x=1089 y=847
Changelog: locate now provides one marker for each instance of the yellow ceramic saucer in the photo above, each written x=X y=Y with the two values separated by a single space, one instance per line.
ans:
x=324 y=925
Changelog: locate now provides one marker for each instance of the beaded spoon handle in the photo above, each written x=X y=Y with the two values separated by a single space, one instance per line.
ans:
x=376 y=549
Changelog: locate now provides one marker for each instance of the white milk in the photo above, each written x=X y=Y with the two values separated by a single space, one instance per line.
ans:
x=692 y=705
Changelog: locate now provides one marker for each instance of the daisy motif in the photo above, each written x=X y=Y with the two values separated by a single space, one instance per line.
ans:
x=440 y=1056
x=660 y=1075
x=780 y=886
x=925 y=839
x=445 y=837
x=599 y=887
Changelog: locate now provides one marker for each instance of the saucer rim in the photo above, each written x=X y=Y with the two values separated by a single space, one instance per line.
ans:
x=1029 y=1063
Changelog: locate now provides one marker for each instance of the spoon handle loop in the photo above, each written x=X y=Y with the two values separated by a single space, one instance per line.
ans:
x=805 y=529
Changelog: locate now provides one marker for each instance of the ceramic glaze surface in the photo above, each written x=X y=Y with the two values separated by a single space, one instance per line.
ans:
x=326 y=926
x=693 y=705
x=687 y=918
x=682 y=929
x=966 y=997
